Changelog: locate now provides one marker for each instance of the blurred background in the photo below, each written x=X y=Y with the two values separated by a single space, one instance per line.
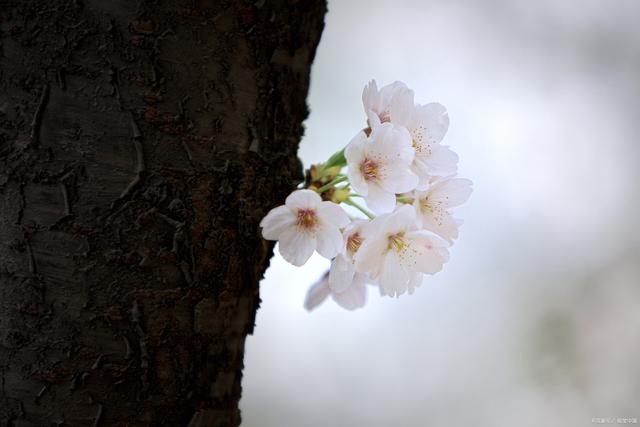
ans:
x=535 y=321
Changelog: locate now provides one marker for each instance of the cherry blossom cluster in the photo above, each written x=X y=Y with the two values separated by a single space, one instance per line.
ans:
x=398 y=166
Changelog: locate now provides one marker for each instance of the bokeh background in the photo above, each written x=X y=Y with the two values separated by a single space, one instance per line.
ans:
x=535 y=321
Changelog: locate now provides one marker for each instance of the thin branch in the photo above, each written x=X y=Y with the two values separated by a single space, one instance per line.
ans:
x=360 y=208
x=331 y=184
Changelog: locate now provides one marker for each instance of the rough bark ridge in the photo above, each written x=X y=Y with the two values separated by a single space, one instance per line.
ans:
x=141 y=142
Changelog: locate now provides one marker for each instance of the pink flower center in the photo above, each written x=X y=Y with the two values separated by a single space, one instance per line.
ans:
x=369 y=169
x=384 y=117
x=307 y=219
x=354 y=242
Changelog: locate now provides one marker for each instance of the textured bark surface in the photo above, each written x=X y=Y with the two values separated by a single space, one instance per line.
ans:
x=141 y=142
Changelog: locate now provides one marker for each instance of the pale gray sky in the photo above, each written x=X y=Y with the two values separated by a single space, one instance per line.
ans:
x=536 y=318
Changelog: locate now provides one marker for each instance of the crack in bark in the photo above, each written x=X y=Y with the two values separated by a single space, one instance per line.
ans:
x=61 y=78
x=33 y=267
x=96 y=364
x=23 y=204
x=65 y=197
x=36 y=122
x=140 y=164
x=98 y=417
x=127 y=348
x=41 y=393
x=142 y=343
x=64 y=181
x=113 y=79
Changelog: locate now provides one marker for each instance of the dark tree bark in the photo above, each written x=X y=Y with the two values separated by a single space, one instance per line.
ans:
x=141 y=142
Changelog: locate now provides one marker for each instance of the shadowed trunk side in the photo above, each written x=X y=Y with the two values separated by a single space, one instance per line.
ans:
x=140 y=145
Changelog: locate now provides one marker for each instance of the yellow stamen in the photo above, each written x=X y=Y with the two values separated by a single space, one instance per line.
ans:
x=369 y=170
x=433 y=208
x=354 y=242
x=396 y=242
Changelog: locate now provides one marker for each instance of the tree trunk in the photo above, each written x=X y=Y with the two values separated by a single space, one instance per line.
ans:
x=141 y=142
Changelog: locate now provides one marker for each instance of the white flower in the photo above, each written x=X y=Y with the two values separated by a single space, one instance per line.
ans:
x=433 y=206
x=346 y=286
x=355 y=296
x=379 y=166
x=427 y=125
x=303 y=224
x=396 y=252
x=377 y=103
x=342 y=269
x=405 y=175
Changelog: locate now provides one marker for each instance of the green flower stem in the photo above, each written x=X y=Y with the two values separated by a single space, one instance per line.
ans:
x=332 y=184
x=360 y=208
x=404 y=199
x=337 y=159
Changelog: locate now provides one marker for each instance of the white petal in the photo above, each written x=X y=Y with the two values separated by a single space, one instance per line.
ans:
x=355 y=149
x=407 y=152
x=428 y=253
x=341 y=274
x=434 y=119
x=356 y=180
x=303 y=199
x=402 y=108
x=440 y=161
x=353 y=297
x=414 y=282
x=379 y=200
x=329 y=241
x=370 y=95
x=393 y=278
x=403 y=219
x=443 y=224
x=379 y=101
x=398 y=178
x=296 y=247
x=368 y=259
x=392 y=91
x=421 y=168
x=451 y=192
x=331 y=213
x=393 y=143
x=355 y=226
x=423 y=181
x=276 y=222
x=317 y=293
x=355 y=154
x=373 y=119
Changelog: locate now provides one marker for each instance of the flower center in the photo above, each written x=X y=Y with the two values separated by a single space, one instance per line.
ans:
x=430 y=205
x=418 y=141
x=433 y=208
x=425 y=205
x=307 y=219
x=384 y=117
x=369 y=170
x=396 y=242
x=354 y=242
